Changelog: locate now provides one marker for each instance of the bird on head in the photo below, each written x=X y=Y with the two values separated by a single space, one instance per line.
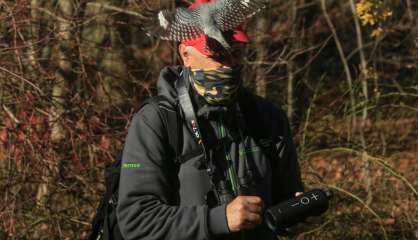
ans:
x=211 y=19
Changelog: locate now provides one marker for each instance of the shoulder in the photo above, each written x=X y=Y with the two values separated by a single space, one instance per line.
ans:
x=263 y=107
x=148 y=114
x=265 y=115
x=269 y=107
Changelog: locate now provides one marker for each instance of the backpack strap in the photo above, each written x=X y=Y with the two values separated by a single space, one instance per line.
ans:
x=100 y=223
x=171 y=121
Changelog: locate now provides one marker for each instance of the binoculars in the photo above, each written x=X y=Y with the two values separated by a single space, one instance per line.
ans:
x=295 y=210
x=223 y=194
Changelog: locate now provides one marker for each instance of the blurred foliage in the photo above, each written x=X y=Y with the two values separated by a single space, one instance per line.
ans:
x=373 y=12
x=73 y=74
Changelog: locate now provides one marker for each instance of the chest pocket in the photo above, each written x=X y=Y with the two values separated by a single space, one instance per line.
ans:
x=271 y=153
x=193 y=179
x=194 y=182
x=274 y=149
x=270 y=148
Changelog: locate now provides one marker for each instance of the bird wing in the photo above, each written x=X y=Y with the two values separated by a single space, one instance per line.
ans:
x=228 y=14
x=175 y=25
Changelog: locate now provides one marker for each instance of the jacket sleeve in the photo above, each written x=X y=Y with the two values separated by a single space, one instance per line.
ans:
x=147 y=189
x=286 y=172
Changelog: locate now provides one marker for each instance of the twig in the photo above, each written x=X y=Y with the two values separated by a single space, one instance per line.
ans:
x=117 y=9
x=343 y=58
x=380 y=161
x=394 y=173
x=317 y=228
x=11 y=115
x=79 y=221
x=308 y=114
x=51 y=14
x=16 y=31
x=360 y=201
x=23 y=79
x=410 y=12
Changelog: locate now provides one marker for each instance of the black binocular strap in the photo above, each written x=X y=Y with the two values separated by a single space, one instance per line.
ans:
x=187 y=107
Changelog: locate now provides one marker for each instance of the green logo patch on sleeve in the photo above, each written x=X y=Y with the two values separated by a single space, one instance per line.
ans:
x=131 y=165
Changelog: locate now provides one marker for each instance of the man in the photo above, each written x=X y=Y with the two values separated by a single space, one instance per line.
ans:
x=251 y=151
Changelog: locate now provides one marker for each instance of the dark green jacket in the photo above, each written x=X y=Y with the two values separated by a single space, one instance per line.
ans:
x=157 y=200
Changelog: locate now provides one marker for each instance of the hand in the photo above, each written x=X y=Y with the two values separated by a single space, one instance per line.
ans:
x=244 y=212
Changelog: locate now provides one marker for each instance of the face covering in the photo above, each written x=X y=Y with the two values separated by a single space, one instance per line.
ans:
x=217 y=86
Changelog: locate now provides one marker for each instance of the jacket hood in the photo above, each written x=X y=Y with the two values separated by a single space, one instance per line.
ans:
x=166 y=80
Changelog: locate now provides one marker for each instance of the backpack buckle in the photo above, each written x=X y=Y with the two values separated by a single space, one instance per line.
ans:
x=113 y=200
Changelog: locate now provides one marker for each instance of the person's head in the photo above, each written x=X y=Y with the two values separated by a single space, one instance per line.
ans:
x=206 y=53
x=194 y=58
x=214 y=74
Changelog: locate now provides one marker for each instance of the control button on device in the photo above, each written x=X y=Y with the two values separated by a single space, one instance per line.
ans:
x=304 y=200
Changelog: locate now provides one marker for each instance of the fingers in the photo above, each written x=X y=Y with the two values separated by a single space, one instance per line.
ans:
x=253 y=199
x=244 y=212
x=298 y=193
x=253 y=208
x=251 y=220
x=254 y=218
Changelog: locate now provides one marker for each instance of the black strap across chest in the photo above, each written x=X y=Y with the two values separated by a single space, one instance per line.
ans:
x=173 y=124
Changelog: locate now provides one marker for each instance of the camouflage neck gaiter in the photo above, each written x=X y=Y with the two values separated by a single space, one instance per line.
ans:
x=217 y=86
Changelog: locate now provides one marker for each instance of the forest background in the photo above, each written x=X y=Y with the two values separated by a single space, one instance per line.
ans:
x=72 y=74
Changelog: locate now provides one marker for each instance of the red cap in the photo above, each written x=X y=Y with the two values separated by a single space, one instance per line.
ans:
x=201 y=42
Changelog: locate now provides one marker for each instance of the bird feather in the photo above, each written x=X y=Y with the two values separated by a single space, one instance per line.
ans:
x=228 y=14
x=175 y=25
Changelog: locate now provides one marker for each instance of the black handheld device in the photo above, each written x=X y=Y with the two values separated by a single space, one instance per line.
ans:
x=295 y=210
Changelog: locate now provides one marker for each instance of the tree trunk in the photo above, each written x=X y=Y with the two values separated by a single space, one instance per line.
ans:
x=261 y=54
x=352 y=120
x=105 y=48
x=63 y=78
x=363 y=78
